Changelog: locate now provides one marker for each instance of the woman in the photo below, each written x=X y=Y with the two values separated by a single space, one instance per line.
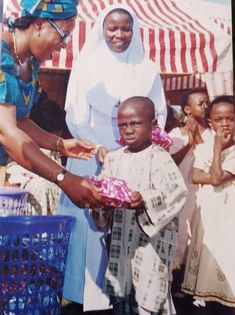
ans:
x=43 y=28
x=111 y=68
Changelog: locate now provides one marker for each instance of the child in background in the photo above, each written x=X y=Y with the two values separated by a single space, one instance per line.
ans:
x=209 y=274
x=143 y=236
x=185 y=139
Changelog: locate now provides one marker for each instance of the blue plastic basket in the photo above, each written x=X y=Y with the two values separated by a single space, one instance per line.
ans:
x=13 y=201
x=33 y=253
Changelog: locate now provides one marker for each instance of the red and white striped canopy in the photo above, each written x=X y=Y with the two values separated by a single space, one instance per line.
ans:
x=175 y=35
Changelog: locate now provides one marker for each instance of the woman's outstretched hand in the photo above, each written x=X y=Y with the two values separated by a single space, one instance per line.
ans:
x=81 y=191
x=76 y=148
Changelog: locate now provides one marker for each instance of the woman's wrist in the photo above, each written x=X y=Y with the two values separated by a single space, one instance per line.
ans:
x=58 y=143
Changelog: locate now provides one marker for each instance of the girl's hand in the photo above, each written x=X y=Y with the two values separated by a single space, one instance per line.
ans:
x=222 y=138
x=76 y=148
x=137 y=200
x=193 y=132
x=197 y=136
x=191 y=126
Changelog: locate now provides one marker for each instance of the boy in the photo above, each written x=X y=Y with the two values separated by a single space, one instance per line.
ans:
x=143 y=236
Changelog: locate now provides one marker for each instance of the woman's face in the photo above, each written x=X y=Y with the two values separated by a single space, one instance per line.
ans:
x=47 y=40
x=118 y=31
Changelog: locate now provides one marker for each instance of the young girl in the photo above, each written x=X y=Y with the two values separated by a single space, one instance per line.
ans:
x=185 y=139
x=209 y=274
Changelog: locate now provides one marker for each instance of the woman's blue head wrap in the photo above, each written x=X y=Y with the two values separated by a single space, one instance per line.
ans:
x=50 y=9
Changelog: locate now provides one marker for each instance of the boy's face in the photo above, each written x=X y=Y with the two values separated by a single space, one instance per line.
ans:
x=135 y=128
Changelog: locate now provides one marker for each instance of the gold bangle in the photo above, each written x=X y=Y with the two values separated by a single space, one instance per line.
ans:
x=57 y=144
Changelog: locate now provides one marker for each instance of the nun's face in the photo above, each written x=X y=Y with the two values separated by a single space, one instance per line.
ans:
x=118 y=31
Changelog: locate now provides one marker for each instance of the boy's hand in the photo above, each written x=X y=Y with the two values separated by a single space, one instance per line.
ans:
x=137 y=200
x=101 y=153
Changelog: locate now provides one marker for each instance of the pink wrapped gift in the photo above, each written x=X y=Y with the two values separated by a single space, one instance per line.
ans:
x=116 y=192
x=161 y=137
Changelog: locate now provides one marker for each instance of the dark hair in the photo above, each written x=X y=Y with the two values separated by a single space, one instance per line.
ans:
x=171 y=120
x=142 y=102
x=224 y=99
x=21 y=23
x=185 y=97
x=48 y=115
x=120 y=10
x=220 y=99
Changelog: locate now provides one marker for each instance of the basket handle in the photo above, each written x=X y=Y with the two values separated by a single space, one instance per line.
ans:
x=3 y=172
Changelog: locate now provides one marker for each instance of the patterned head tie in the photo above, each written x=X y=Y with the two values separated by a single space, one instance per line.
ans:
x=50 y=9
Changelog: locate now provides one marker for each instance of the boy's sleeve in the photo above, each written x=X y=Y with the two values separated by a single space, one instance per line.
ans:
x=103 y=217
x=106 y=170
x=166 y=195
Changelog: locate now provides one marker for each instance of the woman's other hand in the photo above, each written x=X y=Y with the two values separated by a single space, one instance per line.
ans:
x=76 y=148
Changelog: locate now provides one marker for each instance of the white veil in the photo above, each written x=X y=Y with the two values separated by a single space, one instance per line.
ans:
x=103 y=78
x=96 y=39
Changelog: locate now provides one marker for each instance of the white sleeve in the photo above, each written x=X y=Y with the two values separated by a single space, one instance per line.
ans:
x=166 y=195
x=77 y=107
x=157 y=95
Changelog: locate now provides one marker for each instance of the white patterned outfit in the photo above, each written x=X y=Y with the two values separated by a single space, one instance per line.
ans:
x=142 y=246
x=209 y=274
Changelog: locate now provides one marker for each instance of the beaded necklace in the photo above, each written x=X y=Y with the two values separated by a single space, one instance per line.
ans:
x=16 y=51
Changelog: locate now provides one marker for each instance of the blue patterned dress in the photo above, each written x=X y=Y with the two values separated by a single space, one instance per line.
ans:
x=15 y=91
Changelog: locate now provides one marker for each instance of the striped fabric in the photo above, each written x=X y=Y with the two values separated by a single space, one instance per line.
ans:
x=225 y=24
x=176 y=41
x=179 y=42
x=183 y=82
